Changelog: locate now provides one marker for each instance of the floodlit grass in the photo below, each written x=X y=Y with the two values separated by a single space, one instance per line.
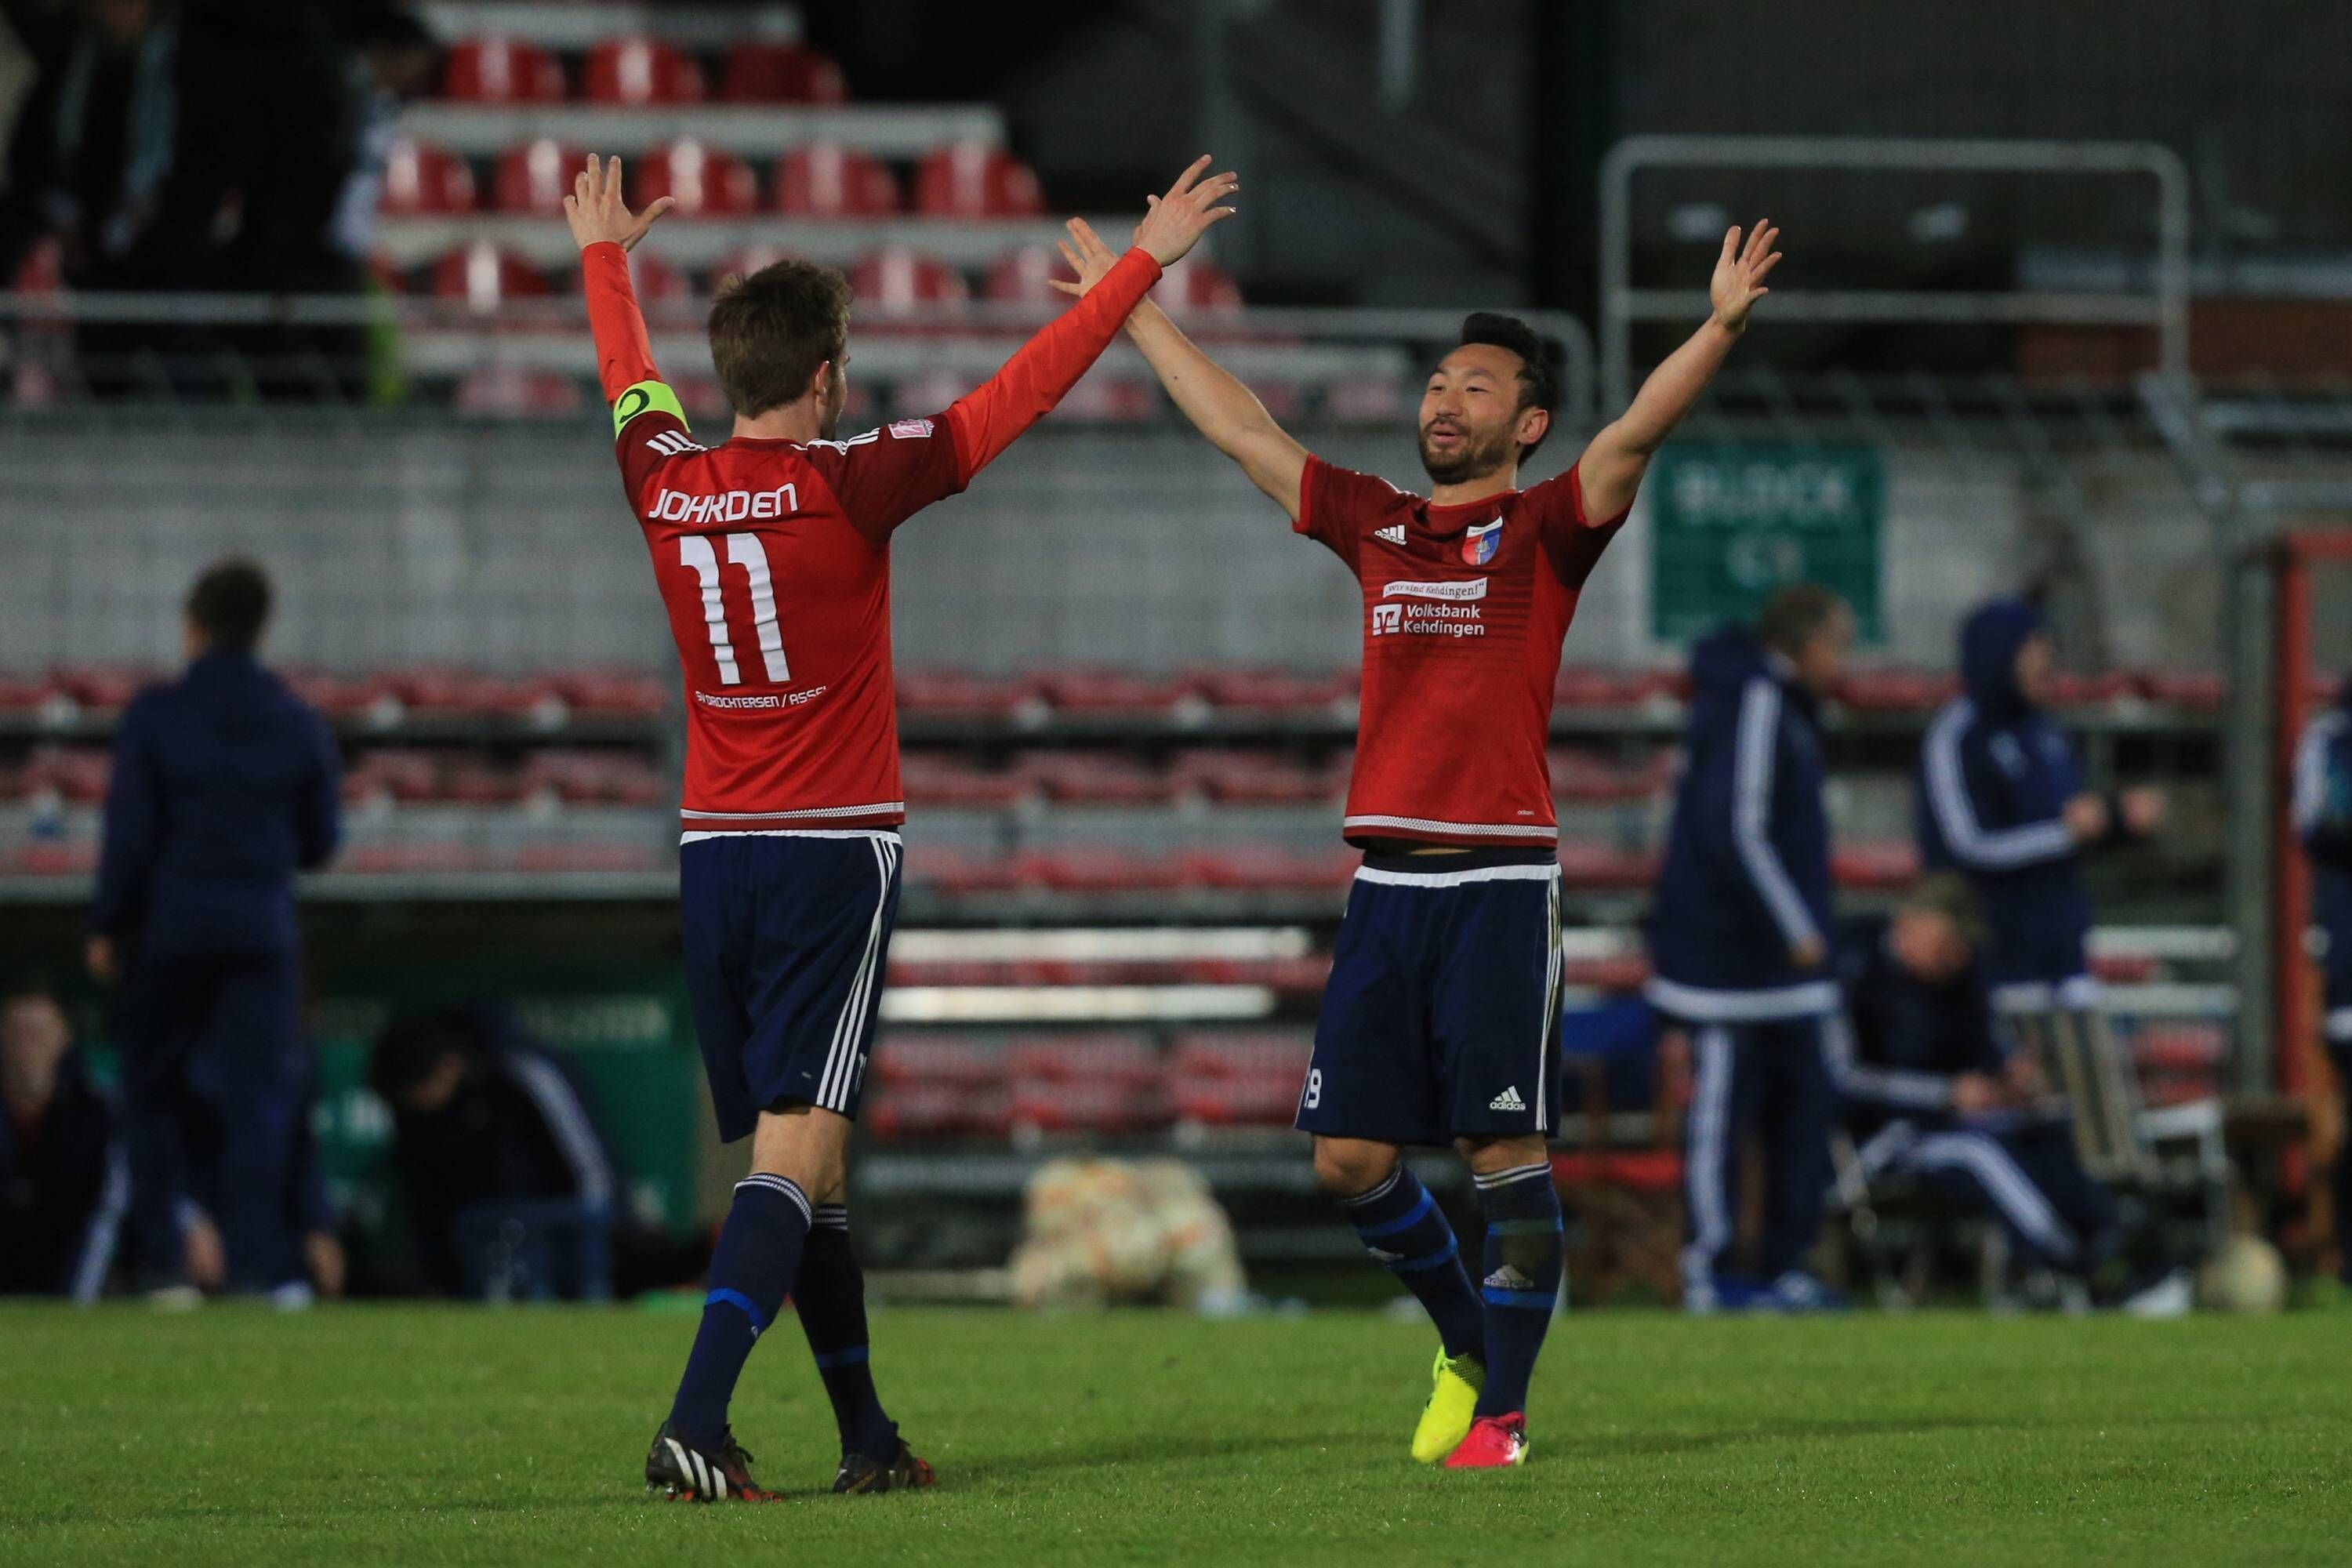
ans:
x=366 y=1434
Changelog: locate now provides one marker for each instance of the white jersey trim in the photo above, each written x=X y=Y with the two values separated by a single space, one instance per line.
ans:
x=1389 y=878
x=1809 y=999
x=877 y=809
x=1471 y=829
x=887 y=834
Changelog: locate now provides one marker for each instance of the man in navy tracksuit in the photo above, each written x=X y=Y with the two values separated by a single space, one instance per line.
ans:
x=2323 y=816
x=2001 y=799
x=225 y=784
x=1739 y=941
x=1932 y=1089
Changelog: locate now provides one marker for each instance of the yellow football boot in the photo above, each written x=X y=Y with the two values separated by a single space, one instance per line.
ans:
x=1452 y=1400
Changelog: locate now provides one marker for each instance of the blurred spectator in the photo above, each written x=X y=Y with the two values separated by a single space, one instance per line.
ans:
x=2323 y=816
x=484 y=1120
x=131 y=150
x=64 y=1182
x=225 y=784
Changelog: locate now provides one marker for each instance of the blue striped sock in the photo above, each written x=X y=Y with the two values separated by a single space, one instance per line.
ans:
x=1522 y=1278
x=1402 y=1227
x=831 y=1296
x=751 y=1269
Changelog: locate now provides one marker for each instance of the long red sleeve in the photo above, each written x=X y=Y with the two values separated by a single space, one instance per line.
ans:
x=994 y=414
x=625 y=356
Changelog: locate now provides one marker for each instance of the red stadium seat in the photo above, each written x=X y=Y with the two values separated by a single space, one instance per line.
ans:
x=76 y=774
x=958 y=874
x=1075 y=1106
x=424 y=181
x=615 y=694
x=1581 y=775
x=1624 y=975
x=57 y=859
x=1025 y=276
x=1604 y=867
x=2197 y=688
x=906 y=1112
x=510 y=391
x=973 y=180
x=1111 y=1057
x=1197 y=286
x=951 y=694
x=1097 y=778
x=1100 y=871
x=535 y=178
x=501 y=70
x=830 y=181
x=951 y=1061
x=26 y=695
x=1271 y=1102
x=1120 y=692
x=930 y=778
x=1874 y=866
x=486 y=277
x=365 y=698
x=641 y=72
x=703 y=181
x=1896 y=691
x=1275 y=691
x=2091 y=688
x=1613 y=687
x=102 y=689
x=390 y=772
x=896 y=281
x=1252 y=778
x=760 y=72
x=1270 y=870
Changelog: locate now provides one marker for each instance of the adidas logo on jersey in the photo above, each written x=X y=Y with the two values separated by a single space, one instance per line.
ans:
x=1507 y=1100
x=1394 y=534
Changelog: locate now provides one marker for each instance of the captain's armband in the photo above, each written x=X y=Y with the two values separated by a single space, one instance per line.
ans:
x=646 y=397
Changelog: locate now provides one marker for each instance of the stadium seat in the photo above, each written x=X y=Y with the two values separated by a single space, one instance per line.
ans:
x=1025 y=276
x=1097 y=778
x=501 y=70
x=1624 y=976
x=1107 y=1057
x=614 y=694
x=393 y=773
x=1897 y=691
x=1197 y=286
x=951 y=1061
x=512 y=392
x=913 y=1112
x=76 y=773
x=762 y=72
x=1270 y=870
x=1099 y=691
x=1603 y=868
x=1252 y=778
x=2091 y=689
x=973 y=180
x=101 y=689
x=1070 y=1107
x=639 y=73
x=896 y=280
x=1270 y=1102
x=2195 y=689
x=1612 y=689
x=1874 y=866
x=485 y=278
x=1302 y=978
x=363 y=698
x=534 y=178
x=1275 y=690
x=1587 y=776
x=24 y=696
x=930 y=778
x=1100 y=871
x=424 y=181
x=951 y=694
x=954 y=873
x=704 y=181
x=831 y=181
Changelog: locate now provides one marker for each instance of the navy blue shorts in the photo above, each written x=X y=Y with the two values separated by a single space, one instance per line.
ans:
x=1442 y=1017
x=786 y=940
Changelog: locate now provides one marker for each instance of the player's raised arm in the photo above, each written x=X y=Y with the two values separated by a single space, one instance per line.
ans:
x=1612 y=468
x=606 y=231
x=1211 y=396
x=1045 y=368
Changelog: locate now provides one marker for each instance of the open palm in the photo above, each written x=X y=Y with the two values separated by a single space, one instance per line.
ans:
x=1741 y=271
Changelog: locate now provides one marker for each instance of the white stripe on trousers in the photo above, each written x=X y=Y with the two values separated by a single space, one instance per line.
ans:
x=2003 y=1181
x=841 y=1061
x=1703 y=1175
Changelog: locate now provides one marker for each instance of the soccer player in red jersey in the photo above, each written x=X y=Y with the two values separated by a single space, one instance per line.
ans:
x=771 y=550
x=1441 y=1020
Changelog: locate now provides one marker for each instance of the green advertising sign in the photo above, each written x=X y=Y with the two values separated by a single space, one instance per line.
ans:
x=1731 y=523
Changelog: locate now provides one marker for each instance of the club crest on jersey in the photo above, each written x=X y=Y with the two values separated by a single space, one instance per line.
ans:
x=1478 y=545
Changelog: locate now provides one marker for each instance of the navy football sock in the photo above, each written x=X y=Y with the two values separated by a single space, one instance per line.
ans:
x=1402 y=1225
x=831 y=1296
x=1522 y=1278
x=757 y=1254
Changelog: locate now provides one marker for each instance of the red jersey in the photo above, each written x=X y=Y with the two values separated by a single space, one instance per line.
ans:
x=774 y=562
x=1465 y=610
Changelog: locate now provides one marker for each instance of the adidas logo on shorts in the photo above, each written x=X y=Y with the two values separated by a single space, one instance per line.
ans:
x=1393 y=534
x=1507 y=1100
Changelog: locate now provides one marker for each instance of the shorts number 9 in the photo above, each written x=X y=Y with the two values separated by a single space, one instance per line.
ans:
x=1313 y=1088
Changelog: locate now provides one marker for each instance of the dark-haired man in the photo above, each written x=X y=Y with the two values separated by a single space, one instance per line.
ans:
x=225 y=785
x=64 y=1182
x=1441 y=1020
x=772 y=554
x=1740 y=944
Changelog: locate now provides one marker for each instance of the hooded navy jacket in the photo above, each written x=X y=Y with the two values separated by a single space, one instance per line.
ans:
x=225 y=784
x=65 y=1185
x=2323 y=817
x=1746 y=874
x=1909 y=1040
x=1995 y=775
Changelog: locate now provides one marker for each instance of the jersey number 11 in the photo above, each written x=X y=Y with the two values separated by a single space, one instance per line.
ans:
x=743 y=550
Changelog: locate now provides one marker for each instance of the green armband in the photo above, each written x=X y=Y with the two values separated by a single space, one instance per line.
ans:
x=646 y=397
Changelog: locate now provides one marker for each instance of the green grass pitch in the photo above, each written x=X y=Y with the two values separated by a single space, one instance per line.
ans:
x=419 y=1436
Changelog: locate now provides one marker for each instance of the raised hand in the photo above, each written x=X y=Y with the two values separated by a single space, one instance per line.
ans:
x=596 y=212
x=1178 y=218
x=1739 y=273
x=1086 y=255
